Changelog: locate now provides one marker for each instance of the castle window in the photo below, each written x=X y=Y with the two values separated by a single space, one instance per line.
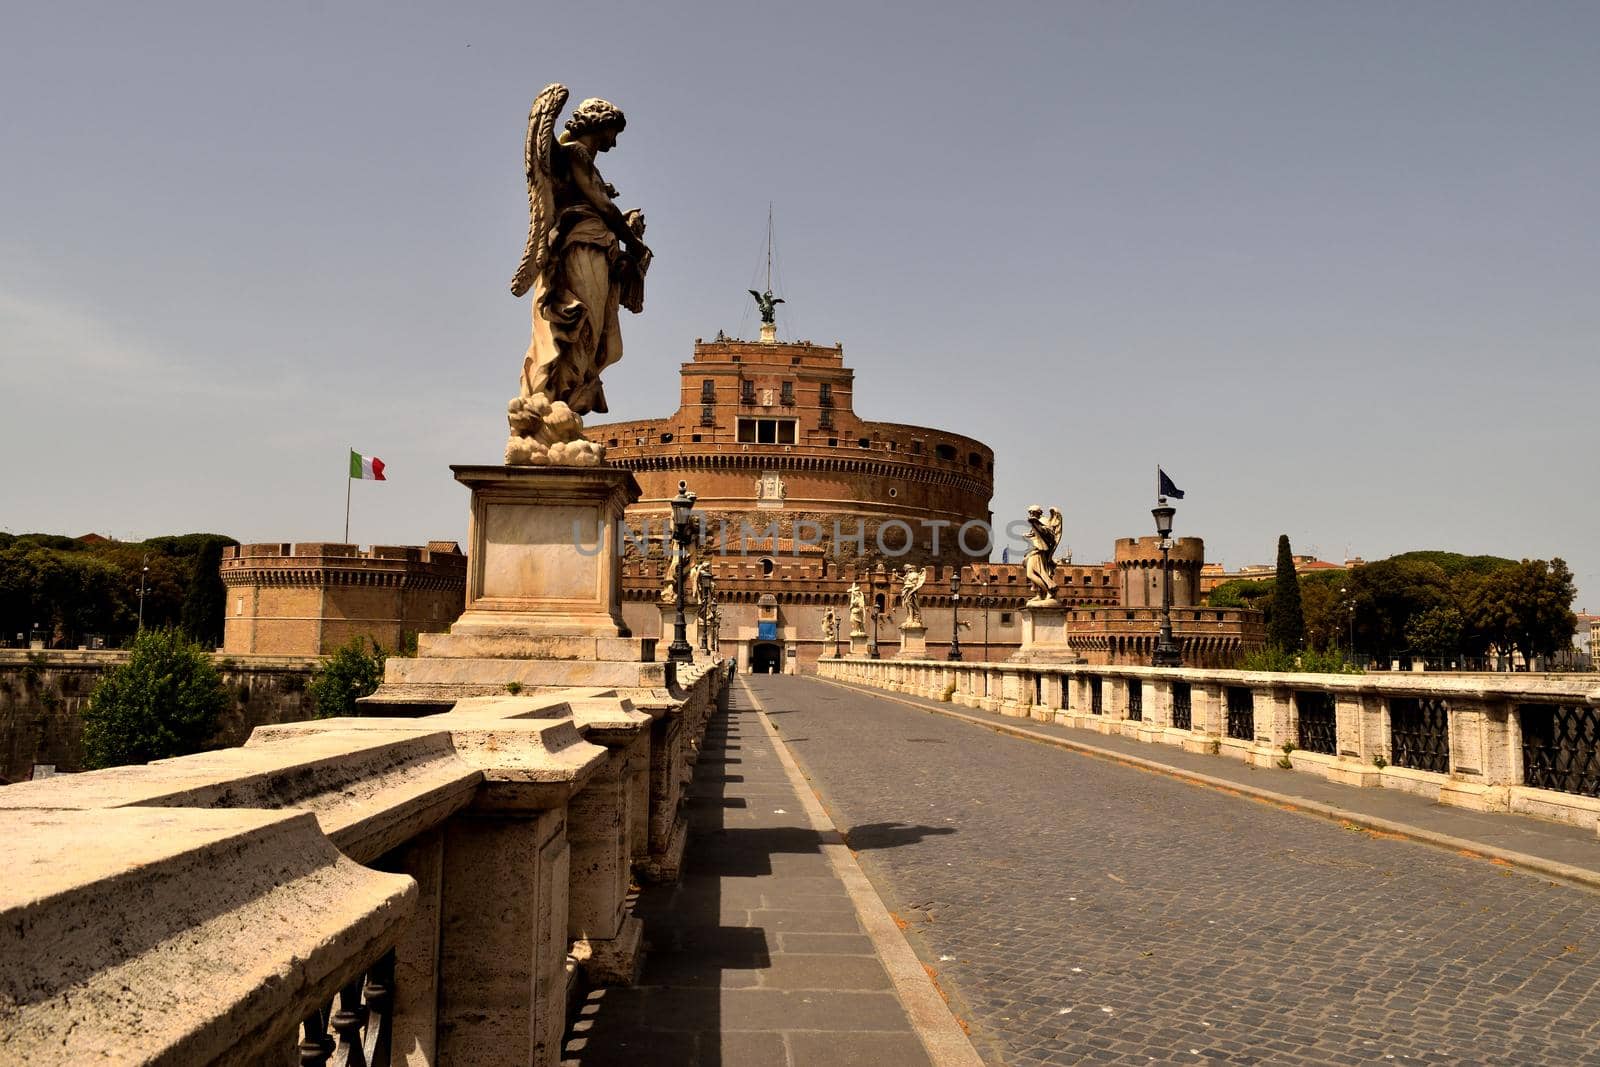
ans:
x=825 y=421
x=611 y=443
x=786 y=395
x=974 y=460
x=666 y=438
x=694 y=438
x=747 y=391
x=238 y=605
x=1005 y=618
x=916 y=448
x=708 y=390
x=767 y=431
x=864 y=442
x=945 y=452
x=892 y=447
x=708 y=416
x=825 y=394
x=766 y=566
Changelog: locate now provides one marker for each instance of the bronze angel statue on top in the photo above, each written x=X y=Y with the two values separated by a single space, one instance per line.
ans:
x=767 y=304
x=584 y=259
x=1039 y=565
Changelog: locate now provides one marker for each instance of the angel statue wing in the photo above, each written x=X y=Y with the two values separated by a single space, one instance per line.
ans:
x=536 y=153
x=1052 y=523
x=916 y=579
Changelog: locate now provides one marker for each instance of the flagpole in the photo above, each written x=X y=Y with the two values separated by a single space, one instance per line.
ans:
x=347 y=481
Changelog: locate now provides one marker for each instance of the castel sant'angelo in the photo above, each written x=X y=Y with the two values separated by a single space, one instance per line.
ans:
x=801 y=497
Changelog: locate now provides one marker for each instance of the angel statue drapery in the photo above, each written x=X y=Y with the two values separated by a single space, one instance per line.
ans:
x=584 y=259
x=912 y=580
x=1039 y=565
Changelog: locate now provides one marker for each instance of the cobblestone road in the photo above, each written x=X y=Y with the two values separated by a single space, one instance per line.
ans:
x=1088 y=912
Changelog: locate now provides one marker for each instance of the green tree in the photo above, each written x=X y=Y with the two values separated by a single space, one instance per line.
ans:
x=205 y=603
x=165 y=701
x=1387 y=594
x=1242 y=593
x=349 y=673
x=1286 y=628
x=1436 y=634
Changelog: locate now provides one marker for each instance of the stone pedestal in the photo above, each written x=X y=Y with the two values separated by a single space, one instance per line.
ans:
x=669 y=621
x=913 y=642
x=544 y=595
x=858 y=644
x=1044 y=635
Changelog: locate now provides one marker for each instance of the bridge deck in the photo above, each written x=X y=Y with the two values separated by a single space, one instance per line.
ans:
x=1086 y=911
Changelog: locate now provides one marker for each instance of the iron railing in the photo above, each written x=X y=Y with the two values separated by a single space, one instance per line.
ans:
x=1317 y=732
x=1561 y=748
x=1182 y=707
x=1419 y=734
x=1241 y=713
x=1096 y=706
x=1135 y=700
x=360 y=1032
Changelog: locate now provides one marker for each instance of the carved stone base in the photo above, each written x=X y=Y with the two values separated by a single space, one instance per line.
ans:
x=1044 y=636
x=913 y=642
x=544 y=595
x=664 y=867
x=614 y=960
x=858 y=644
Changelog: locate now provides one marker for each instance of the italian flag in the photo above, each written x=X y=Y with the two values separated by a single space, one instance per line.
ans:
x=367 y=467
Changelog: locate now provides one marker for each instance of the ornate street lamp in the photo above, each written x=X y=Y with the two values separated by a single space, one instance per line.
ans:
x=705 y=593
x=1167 y=652
x=144 y=572
x=955 y=615
x=682 y=522
x=873 y=578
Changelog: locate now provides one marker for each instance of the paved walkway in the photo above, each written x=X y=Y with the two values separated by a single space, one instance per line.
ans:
x=760 y=956
x=1554 y=848
x=1081 y=910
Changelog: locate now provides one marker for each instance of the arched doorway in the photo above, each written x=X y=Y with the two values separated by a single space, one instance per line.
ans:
x=765 y=658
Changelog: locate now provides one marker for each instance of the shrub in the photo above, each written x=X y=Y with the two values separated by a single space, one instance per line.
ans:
x=165 y=701
x=351 y=672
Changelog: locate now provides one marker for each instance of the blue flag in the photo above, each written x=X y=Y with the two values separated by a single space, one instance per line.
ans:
x=1164 y=486
x=1005 y=555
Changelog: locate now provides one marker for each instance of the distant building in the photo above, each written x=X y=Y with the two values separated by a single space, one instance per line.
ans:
x=767 y=436
x=309 y=599
x=1213 y=574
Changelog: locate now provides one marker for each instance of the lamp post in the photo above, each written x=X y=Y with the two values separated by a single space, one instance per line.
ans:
x=144 y=571
x=955 y=615
x=1167 y=653
x=1350 y=615
x=706 y=594
x=877 y=608
x=682 y=517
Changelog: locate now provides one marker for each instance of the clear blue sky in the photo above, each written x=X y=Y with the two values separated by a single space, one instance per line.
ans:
x=1333 y=265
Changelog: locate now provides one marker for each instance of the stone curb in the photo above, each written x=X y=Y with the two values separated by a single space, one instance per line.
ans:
x=930 y=1016
x=1579 y=876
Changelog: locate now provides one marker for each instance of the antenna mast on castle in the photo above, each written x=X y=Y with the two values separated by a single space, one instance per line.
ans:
x=766 y=301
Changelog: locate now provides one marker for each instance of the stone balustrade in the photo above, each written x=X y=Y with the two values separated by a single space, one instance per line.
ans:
x=1489 y=742
x=432 y=889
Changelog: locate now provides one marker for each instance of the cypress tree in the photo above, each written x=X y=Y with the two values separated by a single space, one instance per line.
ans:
x=206 y=601
x=1287 y=627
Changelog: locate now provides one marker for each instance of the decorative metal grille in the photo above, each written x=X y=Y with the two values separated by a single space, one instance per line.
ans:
x=1182 y=708
x=1136 y=700
x=1561 y=748
x=1096 y=706
x=1038 y=689
x=1318 y=732
x=1241 y=713
x=1419 y=734
x=363 y=1023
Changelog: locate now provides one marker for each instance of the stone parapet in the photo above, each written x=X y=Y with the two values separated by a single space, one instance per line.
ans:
x=442 y=871
x=1506 y=742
